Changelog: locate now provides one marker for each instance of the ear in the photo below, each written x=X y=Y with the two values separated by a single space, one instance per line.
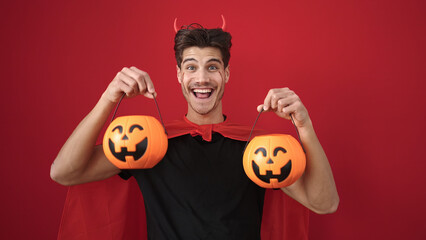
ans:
x=178 y=74
x=227 y=74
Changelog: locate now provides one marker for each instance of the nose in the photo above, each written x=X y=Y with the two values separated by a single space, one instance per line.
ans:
x=125 y=137
x=270 y=161
x=203 y=76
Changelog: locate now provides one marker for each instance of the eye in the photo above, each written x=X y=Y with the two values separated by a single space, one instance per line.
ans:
x=277 y=149
x=190 y=68
x=120 y=129
x=261 y=149
x=135 y=126
x=213 y=67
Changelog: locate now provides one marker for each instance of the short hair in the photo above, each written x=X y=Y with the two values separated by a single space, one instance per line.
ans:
x=195 y=35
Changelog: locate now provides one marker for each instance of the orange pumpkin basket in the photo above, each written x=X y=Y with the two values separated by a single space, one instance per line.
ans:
x=135 y=142
x=274 y=160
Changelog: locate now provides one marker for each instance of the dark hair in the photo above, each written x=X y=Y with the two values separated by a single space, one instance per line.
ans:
x=195 y=35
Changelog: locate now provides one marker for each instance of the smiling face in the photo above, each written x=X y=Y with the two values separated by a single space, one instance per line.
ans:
x=125 y=143
x=135 y=142
x=271 y=166
x=202 y=77
x=274 y=160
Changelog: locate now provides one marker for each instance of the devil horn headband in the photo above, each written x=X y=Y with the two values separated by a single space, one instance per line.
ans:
x=223 y=24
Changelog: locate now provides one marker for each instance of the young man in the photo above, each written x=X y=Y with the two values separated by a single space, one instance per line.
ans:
x=189 y=194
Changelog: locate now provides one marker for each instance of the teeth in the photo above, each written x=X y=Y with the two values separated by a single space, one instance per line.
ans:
x=202 y=90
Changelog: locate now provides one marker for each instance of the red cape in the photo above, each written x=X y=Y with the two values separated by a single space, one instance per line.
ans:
x=113 y=209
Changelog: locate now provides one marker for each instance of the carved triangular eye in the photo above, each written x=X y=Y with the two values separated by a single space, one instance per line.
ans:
x=261 y=149
x=277 y=149
x=120 y=129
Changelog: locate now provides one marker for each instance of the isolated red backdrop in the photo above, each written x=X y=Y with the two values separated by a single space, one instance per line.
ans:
x=359 y=67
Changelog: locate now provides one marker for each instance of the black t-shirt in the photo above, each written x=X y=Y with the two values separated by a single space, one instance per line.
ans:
x=200 y=191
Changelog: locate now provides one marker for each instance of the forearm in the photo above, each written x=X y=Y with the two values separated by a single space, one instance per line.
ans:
x=77 y=151
x=318 y=180
x=316 y=188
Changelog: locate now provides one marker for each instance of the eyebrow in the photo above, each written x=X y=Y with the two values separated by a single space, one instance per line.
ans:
x=214 y=60
x=189 y=59
x=210 y=60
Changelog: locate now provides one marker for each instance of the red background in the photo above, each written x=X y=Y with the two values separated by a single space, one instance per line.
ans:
x=359 y=67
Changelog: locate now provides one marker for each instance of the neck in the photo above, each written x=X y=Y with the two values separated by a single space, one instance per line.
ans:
x=213 y=117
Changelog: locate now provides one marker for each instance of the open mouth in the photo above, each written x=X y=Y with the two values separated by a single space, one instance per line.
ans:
x=140 y=150
x=202 y=93
x=285 y=171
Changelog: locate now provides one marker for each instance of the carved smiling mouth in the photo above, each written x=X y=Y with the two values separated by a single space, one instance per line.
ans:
x=202 y=93
x=140 y=150
x=285 y=171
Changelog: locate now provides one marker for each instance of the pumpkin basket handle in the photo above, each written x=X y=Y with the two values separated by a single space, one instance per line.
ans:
x=257 y=118
x=156 y=104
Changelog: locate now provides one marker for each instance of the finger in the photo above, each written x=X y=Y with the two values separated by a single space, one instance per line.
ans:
x=147 y=79
x=125 y=88
x=293 y=108
x=274 y=95
x=261 y=108
x=286 y=101
x=137 y=77
x=276 y=98
x=272 y=98
x=267 y=100
x=121 y=76
x=150 y=95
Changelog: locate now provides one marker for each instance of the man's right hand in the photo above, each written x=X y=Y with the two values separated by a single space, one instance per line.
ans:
x=131 y=81
x=79 y=160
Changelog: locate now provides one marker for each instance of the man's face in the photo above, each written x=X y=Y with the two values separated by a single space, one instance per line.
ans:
x=202 y=76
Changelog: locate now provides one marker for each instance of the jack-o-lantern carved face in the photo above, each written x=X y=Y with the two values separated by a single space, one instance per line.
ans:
x=135 y=142
x=274 y=161
x=128 y=143
x=267 y=169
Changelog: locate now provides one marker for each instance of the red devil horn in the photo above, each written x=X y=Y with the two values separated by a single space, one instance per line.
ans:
x=176 y=28
x=223 y=24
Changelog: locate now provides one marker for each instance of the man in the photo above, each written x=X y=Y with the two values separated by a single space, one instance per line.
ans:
x=189 y=194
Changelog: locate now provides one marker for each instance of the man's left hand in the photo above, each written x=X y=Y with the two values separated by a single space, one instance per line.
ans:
x=284 y=102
